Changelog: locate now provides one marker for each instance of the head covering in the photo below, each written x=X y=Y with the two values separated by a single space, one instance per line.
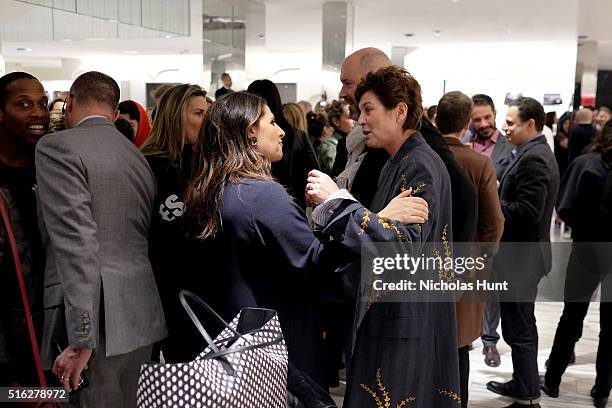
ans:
x=144 y=126
x=138 y=113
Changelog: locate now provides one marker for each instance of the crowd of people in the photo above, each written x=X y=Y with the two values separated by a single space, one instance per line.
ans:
x=247 y=202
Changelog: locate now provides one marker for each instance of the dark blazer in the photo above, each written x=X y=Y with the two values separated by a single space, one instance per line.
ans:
x=402 y=350
x=501 y=155
x=464 y=196
x=581 y=136
x=527 y=192
x=269 y=260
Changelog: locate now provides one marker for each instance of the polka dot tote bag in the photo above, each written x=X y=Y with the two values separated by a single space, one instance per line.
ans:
x=243 y=367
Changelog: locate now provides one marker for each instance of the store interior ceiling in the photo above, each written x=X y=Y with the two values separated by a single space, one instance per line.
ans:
x=388 y=23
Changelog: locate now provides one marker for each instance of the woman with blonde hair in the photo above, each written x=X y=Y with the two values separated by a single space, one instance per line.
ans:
x=294 y=115
x=177 y=125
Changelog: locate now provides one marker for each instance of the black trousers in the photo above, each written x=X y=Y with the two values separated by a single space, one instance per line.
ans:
x=589 y=266
x=464 y=374
x=520 y=332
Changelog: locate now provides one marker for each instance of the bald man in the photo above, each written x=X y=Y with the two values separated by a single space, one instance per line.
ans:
x=582 y=135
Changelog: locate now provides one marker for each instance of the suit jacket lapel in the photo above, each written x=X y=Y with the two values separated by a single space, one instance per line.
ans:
x=516 y=160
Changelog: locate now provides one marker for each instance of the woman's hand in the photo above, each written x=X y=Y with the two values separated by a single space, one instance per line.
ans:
x=320 y=186
x=406 y=209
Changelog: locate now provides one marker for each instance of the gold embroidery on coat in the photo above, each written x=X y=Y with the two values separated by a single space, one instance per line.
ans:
x=451 y=394
x=444 y=274
x=385 y=402
x=386 y=224
x=364 y=221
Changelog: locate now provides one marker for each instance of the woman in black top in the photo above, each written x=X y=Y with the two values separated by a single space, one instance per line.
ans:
x=176 y=128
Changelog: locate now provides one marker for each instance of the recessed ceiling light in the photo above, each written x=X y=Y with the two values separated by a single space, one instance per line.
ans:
x=131 y=52
x=24 y=49
x=437 y=33
x=66 y=39
x=455 y=1
x=168 y=36
x=409 y=35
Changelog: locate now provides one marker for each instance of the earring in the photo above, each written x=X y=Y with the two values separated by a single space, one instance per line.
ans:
x=254 y=142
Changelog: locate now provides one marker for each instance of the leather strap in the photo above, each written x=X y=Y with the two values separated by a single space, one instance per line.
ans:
x=24 y=295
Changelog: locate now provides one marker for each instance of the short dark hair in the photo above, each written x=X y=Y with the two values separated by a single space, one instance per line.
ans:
x=483 y=100
x=393 y=85
x=129 y=108
x=529 y=108
x=96 y=86
x=454 y=111
x=431 y=112
x=225 y=75
x=7 y=80
x=605 y=109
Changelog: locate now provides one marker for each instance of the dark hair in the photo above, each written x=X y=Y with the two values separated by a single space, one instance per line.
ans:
x=603 y=142
x=50 y=108
x=393 y=85
x=125 y=128
x=8 y=79
x=223 y=154
x=334 y=110
x=605 y=109
x=454 y=111
x=483 y=100
x=96 y=86
x=224 y=75
x=529 y=108
x=266 y=89
x=550 y=119
x=316 y=124
x=129 y=108
x=431 y=112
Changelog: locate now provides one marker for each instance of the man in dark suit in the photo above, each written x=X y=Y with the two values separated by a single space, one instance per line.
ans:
x=582 y=135
x=487 y=140
x=96 y=194
x=528 y=190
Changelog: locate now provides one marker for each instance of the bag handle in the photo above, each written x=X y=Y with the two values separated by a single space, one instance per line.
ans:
x=183 y=296
x=24 y=296
x=217 y=352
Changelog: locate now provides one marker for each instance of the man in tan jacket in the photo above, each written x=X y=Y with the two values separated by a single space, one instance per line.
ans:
x=453 y=117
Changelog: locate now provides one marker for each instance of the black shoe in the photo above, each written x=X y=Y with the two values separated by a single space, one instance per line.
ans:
x=492 y=358
x=552 y=392
x=598 y=402
x=517 y=405
x=571 y=361
x=506 y=389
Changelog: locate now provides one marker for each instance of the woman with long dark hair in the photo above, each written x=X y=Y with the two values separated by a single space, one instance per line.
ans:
x=298 y=154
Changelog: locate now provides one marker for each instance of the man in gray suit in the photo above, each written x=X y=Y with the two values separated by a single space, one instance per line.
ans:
x=96 y=193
